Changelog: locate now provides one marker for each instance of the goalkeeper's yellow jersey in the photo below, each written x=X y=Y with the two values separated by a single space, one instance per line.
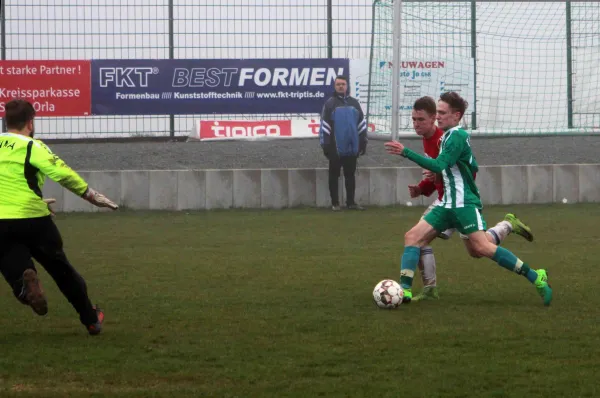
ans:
x=24 y=164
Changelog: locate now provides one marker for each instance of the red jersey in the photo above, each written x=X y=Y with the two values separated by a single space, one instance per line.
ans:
x=431 y=146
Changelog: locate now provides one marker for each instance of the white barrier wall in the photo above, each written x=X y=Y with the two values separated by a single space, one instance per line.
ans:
x=282 y=188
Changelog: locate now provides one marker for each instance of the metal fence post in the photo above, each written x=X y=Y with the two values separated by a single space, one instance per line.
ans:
x=3 y=41
x=569 y=67
x=474 y=56
x=2 y=30
x=171 y=56
x=371 y=52
x=396 y=62
x=329 y=28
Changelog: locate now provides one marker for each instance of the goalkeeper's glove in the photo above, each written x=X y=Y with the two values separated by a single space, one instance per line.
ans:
x=49 y=201
x=99 y=200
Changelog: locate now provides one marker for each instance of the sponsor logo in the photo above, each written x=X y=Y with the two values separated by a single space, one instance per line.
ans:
x=260 y=77
x=203 y=77
x=126 y=77
x=314 y=126
x=245 y=129
x=289 y=76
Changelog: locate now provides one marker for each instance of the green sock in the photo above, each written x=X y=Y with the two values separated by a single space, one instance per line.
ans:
x=508 y=260
x=408 y=266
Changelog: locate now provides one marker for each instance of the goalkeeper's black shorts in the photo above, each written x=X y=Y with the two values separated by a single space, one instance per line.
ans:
x=39 y=238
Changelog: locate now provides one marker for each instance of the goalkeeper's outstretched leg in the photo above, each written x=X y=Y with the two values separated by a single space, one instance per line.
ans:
x=47 y=249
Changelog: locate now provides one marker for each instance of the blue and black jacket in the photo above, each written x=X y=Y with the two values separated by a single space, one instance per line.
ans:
x=343 y=126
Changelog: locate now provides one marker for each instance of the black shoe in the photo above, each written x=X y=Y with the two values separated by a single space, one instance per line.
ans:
x=32 y=293
x=96 y=328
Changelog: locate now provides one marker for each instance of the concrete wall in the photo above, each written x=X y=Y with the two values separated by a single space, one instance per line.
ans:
x=281 y=188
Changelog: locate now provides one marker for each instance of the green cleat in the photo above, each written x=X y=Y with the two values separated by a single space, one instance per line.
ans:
x=543 y=287
x=407 y=296
x=518 y=227
x=428 y=293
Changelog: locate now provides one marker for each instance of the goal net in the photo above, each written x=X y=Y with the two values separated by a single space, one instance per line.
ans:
x=526 y=68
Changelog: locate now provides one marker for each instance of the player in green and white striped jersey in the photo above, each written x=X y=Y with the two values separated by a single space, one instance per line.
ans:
x=461 y=204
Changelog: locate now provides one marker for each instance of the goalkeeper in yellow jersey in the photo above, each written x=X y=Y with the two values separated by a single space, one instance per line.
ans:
x=26 y=226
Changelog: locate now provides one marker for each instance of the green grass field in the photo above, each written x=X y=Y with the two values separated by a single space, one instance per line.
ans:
x=278 y=304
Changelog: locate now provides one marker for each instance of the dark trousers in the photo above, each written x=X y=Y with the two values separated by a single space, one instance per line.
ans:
x=336 y=163
x=22 y=239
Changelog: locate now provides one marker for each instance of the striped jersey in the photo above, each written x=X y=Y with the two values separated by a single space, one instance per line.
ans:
x=431 y=146
x=458 y=166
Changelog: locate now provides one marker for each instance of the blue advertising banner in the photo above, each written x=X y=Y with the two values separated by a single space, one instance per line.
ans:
x=212 y=86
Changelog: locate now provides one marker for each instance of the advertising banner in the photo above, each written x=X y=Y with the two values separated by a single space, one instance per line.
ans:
x=55 y=88
x=220 y=130
x=213 y=86
x=418 y=78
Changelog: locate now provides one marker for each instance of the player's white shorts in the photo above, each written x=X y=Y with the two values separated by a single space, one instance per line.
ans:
x=447 y=233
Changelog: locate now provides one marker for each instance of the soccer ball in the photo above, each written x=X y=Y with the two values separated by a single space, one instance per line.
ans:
x=388 y=294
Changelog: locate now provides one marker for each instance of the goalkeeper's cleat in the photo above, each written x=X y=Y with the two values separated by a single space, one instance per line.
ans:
x=407 y=296
x=543 y=287
x=96 y=328
x=32 y=293
x=518 y=227
x=428 y=293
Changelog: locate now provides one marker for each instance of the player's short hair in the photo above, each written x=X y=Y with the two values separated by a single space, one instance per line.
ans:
x=455 y=101
x=426 y=104
x=18 y=113
x=341 y=77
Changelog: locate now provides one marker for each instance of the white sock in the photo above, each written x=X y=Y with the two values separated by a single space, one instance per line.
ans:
x=427 y=266
x=422 y=268
x=500 y=231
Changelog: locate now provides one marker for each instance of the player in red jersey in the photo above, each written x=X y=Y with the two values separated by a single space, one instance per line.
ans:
x=423 y=116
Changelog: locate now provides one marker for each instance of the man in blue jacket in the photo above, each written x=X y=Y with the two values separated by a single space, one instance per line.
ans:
x=343 y=137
